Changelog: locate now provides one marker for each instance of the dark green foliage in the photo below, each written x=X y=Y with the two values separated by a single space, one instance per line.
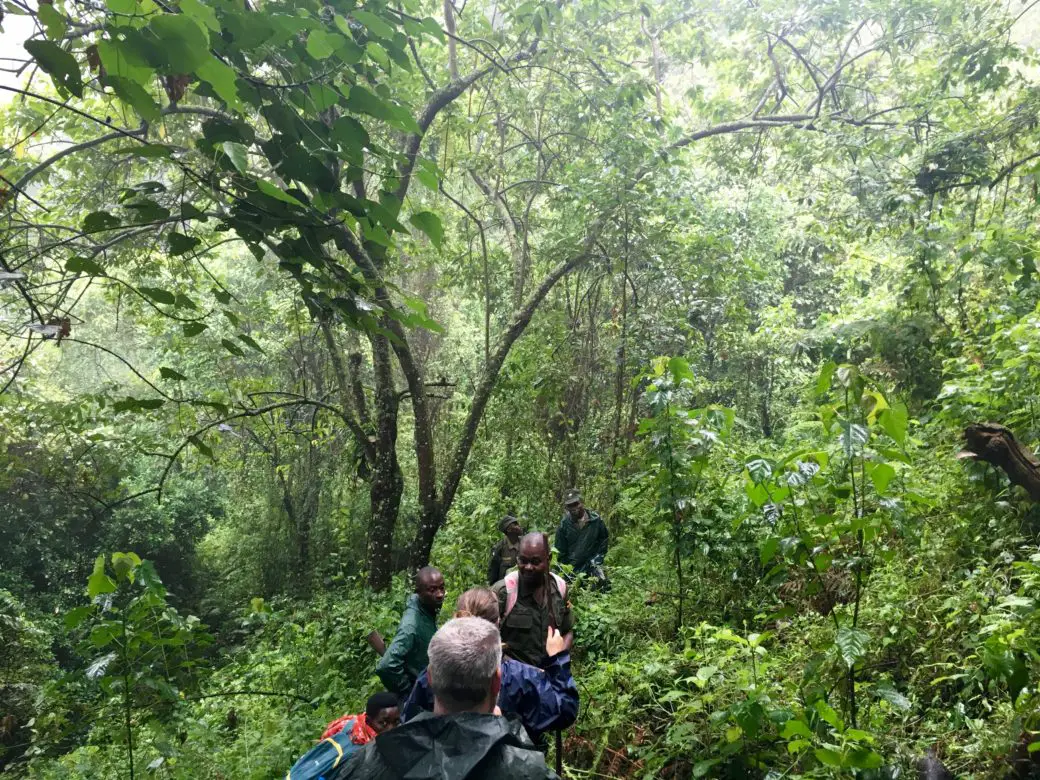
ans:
x=740 y=272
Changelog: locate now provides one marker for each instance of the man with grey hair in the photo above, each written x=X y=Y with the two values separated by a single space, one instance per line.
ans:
x=462 y=739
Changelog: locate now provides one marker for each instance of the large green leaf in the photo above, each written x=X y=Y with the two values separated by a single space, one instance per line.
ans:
x=100 y=220
x=232 y=347
x=351 y=137
x=886 y=692
x=363 y=101
x=894 y=421
x=83 y=265
x=374 y=24
x=201 y=13
x=54 y=23
x=276 y=192
x=183 y=44
x=852 y=644
x=238 y=154
x=99 y=582
x=823 y=382
x=322 y=44
x=120 y=58
x=181 y=244
x=430 y=224
x=222 y=78
x=58 y=64
x=169 y=373
x=158 y=295
x=881 y=474
x=248 y=340
x=796 y=728
x=853 y=437
x=759 y=470
x=135 y=96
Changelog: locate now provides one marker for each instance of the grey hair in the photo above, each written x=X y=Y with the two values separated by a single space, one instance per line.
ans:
x=464 y=655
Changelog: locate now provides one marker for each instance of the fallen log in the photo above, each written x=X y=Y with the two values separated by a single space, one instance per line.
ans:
x=996 y=444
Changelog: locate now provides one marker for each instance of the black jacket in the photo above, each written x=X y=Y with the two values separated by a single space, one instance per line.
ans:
x=466 y=746
x=582 y=548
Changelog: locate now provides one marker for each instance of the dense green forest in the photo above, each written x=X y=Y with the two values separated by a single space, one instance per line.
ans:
x=297 y=297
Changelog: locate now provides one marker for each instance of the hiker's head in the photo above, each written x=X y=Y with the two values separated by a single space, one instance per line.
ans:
x=382 y=712
x=478 y=602
x=510 y=526
x=464 y=666
x=429 y=586
x=533 y=558
x=572 y=503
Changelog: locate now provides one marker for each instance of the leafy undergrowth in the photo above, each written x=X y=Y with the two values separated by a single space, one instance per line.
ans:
x=948 y=625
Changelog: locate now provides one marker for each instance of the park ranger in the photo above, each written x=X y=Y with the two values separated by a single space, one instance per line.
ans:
x=532 y=600
x=503 y=554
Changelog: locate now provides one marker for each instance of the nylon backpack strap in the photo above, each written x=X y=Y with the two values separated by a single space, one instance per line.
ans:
x=512 y=582
x=561 y=584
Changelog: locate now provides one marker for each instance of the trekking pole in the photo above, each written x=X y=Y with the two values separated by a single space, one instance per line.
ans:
x=376 y=642
x=559 y=753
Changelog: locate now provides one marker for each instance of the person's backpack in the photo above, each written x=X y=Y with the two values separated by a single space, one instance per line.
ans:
x=512 y=581
x=320 y=761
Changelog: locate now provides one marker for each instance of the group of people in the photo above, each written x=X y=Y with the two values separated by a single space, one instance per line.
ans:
x=476 y=697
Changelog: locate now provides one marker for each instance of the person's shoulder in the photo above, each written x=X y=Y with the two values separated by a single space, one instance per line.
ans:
x=500 y=588
x=594 y=516
x=519 y=762
x=361 y=764
x=412 y=610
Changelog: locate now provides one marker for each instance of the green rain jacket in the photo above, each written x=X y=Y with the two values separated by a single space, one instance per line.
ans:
x=405 y=659
x=583 y=547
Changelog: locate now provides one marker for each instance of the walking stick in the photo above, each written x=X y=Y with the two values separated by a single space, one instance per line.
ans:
x=375 y=641
x=559 y=753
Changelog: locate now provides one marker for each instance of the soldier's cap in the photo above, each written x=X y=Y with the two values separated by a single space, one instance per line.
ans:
x=571 y=497
x=507 y=521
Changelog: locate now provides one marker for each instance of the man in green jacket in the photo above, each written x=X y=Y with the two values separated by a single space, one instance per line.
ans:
x=582 y=539
x=405 y=658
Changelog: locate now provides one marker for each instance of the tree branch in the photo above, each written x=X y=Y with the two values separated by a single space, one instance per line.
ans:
x=344 y=391
x=1007 y=170
x=33 y=172
x=261 y=410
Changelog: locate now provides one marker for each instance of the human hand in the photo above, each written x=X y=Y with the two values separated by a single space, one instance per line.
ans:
x=497 y=710
x=554 y=642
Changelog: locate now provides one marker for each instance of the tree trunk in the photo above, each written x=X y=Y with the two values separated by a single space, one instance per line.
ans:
x=433 y=516
x=387 y=484
x=996 y=444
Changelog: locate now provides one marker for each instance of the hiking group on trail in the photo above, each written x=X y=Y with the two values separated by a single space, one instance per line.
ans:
x=476 y=697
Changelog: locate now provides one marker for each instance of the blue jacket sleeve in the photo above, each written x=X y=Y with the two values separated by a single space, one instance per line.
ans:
x=419 y=700
x=549 y=699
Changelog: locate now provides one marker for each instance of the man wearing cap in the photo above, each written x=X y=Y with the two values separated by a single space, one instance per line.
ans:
x=503 y=554
x=582 y=539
